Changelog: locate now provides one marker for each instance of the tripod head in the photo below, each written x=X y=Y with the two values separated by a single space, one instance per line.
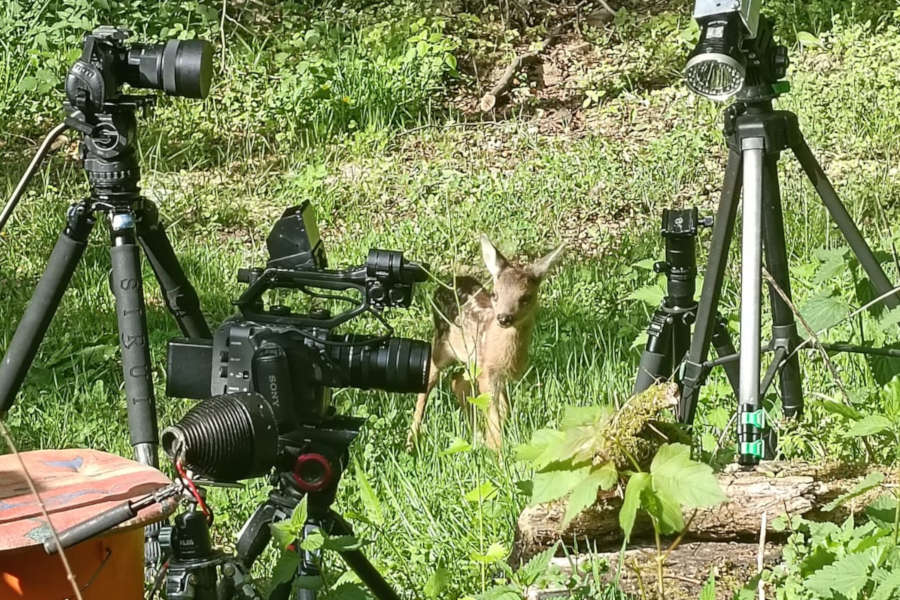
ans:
x=96 y=107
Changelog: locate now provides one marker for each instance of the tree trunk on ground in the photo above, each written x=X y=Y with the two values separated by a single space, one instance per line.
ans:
x=795 y=489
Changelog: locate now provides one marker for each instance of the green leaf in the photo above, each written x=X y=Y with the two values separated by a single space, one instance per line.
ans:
x=846 y=576
x=283 y=533
x=833 y=261
x=309 y=582
x=437 y=583
x=529 y=573
x=481 y=401
x=313 y=541
x=457 y=446
x=541 y=440
x=348 y=591
x=450 y=60
x=709 y=588
x=557 y=481
x=299 y=516
x=485 y=491
x=664 y=509
x=689 y=483
x=807 y=39
x=837 y=408
x=584 y=494
x=886 y=589
x=502 y=592
x=342 y=543
x=651 y=295
x=871 y=481
x=822 y=312
x=890 y=320
x=285 y=568
x=370 y=501
x=869 y=425
x=637 y=483
x=495 y=553
x=576 y=416
x=882 y=511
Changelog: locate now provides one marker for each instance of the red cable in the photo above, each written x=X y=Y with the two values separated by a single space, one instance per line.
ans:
x=193 y=488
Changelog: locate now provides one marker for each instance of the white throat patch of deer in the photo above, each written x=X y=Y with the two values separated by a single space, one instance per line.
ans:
x=489 y=328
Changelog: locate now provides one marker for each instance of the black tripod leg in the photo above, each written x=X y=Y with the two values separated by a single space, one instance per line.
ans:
x=784 y=325
x=845 y=222
x=694 y=373
x=127 y=287
x=357 y=561
x=724 y=346
x=49 y=291
x=180 y=296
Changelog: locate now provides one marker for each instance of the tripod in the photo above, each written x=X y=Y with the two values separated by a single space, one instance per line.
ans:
x=319 y=456
x=110 y=161
x=756 y=135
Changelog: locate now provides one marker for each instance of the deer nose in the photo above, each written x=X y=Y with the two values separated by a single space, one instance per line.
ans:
x=505 y=319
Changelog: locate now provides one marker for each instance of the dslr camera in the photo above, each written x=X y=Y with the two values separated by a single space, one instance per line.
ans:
x=266 y=375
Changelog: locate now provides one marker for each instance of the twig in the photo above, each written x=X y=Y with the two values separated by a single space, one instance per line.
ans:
x=62 y=554
x=222 y=32
x=606 y=7
x=761 y=556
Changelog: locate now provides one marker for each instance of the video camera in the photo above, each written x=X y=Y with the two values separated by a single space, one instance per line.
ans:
x=267 y=371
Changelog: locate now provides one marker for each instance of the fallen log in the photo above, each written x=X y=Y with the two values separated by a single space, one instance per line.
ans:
x=776 y=488
x=685 y=569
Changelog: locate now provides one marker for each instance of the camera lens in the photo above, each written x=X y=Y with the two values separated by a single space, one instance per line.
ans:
x=178 y=67
x=394 y=365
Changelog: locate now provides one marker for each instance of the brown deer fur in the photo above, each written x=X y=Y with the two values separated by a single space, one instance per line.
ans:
x=490 y=329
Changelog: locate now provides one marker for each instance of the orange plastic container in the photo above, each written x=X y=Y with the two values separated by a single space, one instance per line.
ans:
x=74 y=486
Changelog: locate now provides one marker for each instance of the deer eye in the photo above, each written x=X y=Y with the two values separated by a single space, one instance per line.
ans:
x=493 y=295
x=527 y=298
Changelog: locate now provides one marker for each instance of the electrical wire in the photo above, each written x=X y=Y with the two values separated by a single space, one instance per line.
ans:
x=194 y=491
x=29 y=172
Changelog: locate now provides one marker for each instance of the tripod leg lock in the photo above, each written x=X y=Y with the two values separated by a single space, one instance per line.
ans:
x=756 y=449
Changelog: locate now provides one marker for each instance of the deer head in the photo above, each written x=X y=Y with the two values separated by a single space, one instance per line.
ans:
x=515 y=290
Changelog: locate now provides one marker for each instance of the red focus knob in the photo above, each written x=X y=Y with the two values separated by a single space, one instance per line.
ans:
x=312 y=472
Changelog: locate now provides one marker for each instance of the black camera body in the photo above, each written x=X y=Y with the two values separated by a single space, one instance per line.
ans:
x=178 y=67
x=269 y=369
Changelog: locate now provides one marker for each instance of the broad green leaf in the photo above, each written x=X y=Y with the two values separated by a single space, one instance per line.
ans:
x=821 y=312
x=485 y=491
x=495 y=553
x=502 y=592
x=584 y=494
x=869 y=425
x=637 y=483
x=709 y=588
x=577 y=446
x=481 y=401
x=885 y=590
x=457 y=446
x=308 y=582
x=846 y=576
x=537 y=566
x=556 y=481
x=576 y=416
x=651 y=295
x=871 y=481
x=285 y=568
x=808 y=39
x=689 y=483
x=832 y=263
x=837 y=408
x=889 y=321
x=283 y=533
x=299 y=515
x=882 y=511
x=664 y=509
x=437 y=583
x=541 y=440
x=348 y=591
x=369 y=500
x=313 y=541
x=342 y=543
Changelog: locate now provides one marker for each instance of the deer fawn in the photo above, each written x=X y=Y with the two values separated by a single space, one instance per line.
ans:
x=491 y=330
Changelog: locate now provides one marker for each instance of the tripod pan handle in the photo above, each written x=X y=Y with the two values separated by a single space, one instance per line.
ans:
x=93 y=526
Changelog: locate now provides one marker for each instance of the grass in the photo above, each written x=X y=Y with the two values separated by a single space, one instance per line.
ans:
x=386 y=170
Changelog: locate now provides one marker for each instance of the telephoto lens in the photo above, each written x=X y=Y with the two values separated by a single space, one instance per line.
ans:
x=394 y=365
x=178 y=67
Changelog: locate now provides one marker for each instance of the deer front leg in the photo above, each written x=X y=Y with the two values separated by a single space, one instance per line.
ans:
x=462 y=389
x=498 y=409
x=421 y=402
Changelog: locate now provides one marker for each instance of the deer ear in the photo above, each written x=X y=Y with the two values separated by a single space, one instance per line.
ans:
x=493 y=260
x=542 y=266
